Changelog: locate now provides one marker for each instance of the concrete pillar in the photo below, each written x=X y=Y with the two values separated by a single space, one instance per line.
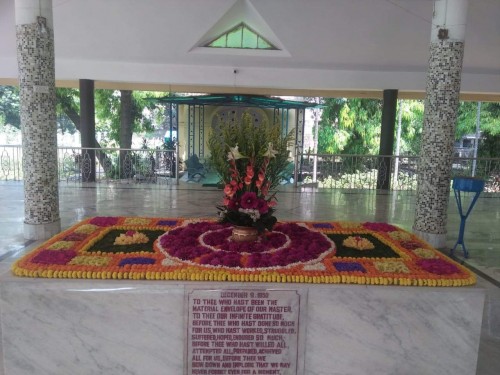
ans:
x=87 y=129
x=387 y=138
x=35 y=55
x=441 y=107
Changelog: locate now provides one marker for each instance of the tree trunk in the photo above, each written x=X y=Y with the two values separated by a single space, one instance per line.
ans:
x=74 y=116
x=126 y=123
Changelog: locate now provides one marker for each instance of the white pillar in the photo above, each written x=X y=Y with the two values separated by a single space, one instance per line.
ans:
x=450 y=15
x=35 y=56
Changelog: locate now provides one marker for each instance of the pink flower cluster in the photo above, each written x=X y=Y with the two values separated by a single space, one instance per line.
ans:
x=438 y=266
x=104 y=221
x=248 y=191
x=249 y=201
x=380 y=227
x=411 y=244
x=304 y=245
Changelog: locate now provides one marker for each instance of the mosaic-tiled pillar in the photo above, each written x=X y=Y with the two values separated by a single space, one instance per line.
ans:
x=441 y=107
x=35 y=55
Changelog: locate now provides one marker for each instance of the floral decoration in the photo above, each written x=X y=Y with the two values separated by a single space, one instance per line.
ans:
x=400 y=236
x=249 y=157
x=425 y=253
x=54 y=257
x=85 y=229
x=211 y=245
x=136 y=221
x=391 y=266
x=97 y=261
x=62 y=245
x=358 y=243
x=380 y=227
x=438 y=266
x=103 y=221
x=349 y=267
x=75 y=237
x=202 y=250
x=131 y=237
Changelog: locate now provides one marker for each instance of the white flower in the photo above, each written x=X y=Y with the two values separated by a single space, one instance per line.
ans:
x=254 y=214
x=270 y=153
x=234 y=153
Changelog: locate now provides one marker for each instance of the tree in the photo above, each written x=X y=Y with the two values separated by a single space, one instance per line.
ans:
x=412 y=117
x=68 y=108
x=118 y=113
x=350 y=126
x=121 y=113
x=489 y=125
x=9 y=106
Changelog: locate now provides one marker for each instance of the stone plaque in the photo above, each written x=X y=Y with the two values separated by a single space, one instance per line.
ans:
x=243 y=331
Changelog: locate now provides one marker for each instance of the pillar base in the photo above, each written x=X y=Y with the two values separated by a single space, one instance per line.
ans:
x=435 y=240
x=41 y=231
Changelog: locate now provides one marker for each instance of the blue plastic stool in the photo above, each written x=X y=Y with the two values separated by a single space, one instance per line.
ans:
x=465 y=184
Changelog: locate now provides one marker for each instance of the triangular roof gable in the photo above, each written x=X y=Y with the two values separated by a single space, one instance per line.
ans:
x=241 y=36
x=241 y=14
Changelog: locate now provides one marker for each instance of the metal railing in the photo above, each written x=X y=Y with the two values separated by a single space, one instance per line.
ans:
x=11 y=167
x=77 y=164
x=368 y=172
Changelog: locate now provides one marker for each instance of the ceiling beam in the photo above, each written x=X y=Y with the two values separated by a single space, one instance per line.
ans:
x=369 y=94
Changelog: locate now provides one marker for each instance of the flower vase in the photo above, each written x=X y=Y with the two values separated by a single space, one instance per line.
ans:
x=245 y=234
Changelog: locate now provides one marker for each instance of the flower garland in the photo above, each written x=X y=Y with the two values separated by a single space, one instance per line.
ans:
x=179 y=249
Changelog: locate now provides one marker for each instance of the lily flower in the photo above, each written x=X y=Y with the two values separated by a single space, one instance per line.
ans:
x=270 y=153
x=234 y=153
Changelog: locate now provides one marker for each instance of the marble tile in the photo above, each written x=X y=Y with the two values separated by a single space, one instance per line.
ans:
x=53 y=327
x=393 y=331
x=121 y=327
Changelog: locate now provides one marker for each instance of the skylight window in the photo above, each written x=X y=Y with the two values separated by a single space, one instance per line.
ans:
x=243 y=37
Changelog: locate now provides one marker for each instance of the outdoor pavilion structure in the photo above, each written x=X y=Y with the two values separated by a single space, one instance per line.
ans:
x=288 y=114
x=179 y=48
x=362 y=48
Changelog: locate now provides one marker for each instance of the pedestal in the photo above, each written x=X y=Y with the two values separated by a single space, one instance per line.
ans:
x=116 y=327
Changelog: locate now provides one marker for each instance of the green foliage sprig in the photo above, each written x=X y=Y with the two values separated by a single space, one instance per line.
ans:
x=253 y=140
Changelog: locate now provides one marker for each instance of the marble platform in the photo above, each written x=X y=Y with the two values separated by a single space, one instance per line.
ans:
x=138 y=327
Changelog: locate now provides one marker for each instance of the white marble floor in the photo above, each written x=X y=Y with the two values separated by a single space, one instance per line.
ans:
x=482 y=236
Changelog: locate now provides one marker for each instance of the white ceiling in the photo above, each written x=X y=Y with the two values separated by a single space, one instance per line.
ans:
x=328 y=44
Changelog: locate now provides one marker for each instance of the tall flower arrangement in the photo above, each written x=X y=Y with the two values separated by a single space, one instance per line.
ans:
x=249 y=157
